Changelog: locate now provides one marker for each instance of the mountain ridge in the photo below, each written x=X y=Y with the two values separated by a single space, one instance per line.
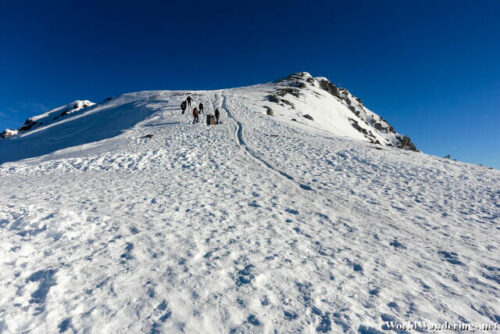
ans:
x=370 y=126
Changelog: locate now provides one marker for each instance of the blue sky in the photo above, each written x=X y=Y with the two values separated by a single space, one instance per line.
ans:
x=431 y=68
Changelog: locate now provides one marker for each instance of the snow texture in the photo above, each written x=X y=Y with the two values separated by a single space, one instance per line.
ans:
x=125 y=217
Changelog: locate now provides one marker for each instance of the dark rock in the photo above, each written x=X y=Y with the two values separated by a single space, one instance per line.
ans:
x=269 y=111
x=309 y=117
x=273 y=98
x=389 y=127
x=300 y=85
x=355 y=125
x=330 y=88
x=283 y=91
x=28 y=124
x=283 y=101
x=378 y=126
x=296 y=76
x=405 y=143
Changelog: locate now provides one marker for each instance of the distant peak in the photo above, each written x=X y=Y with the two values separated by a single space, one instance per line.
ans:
x=296 y=76
x=302 y=74
x=299 y=75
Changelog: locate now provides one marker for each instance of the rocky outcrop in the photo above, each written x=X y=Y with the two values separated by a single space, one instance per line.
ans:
x=362 y=115
x=326 y=85
x=405 y=143
x=7 y=133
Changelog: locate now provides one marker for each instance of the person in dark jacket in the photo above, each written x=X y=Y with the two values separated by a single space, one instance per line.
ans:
x=195 y=116
x=217 y=114
x=189 y=100
x=183 y=106
x=201 y=108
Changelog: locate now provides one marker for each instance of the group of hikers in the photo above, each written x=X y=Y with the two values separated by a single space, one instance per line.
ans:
x=197 y=111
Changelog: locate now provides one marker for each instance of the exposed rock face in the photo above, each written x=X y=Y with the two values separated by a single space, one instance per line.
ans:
x=364 y=121
x=329 y=87
x=28 y=124
x=374 y=121
x=274 y=98
x=406 y=143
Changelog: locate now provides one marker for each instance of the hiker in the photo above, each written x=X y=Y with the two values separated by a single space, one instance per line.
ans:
x=195 y=116
x=189 y=100
x=183 y=106
x=201 y=108
x=217 y=114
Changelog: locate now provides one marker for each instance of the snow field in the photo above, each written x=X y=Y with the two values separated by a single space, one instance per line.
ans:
x=255 y=225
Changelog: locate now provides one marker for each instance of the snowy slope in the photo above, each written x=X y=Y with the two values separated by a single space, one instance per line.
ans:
x=54 y=115
x=125 y=217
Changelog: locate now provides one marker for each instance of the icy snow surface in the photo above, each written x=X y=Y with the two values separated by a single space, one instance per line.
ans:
x=254 y=225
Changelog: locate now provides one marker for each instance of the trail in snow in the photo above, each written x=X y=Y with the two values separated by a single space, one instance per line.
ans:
x=241 y=141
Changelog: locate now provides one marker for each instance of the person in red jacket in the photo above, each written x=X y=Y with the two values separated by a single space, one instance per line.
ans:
x=196 y=116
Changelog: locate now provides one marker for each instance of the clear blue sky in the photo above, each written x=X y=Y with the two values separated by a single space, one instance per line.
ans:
x=431 y=68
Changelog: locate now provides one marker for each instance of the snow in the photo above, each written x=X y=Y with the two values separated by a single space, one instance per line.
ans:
x=257 y=224
x=8 y=133
x=47 y=117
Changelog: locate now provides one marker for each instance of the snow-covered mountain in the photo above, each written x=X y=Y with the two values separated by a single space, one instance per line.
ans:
x=48 y=118
x=315 y=102
x=303 y=211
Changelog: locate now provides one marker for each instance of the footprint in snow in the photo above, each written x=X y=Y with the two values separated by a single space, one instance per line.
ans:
x=64 y=325
x=253 y=320
x=127 y=255
x=396 y=244
x=46 y=281
x=289 y=315
x=451 y=257
x=245 y=275
x=325 y=324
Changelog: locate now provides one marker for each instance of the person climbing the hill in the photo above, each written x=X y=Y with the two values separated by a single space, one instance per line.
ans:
x=201 y=108
x=217 y=114
x=195 y=116
x=183 y=106
x=189 y=100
